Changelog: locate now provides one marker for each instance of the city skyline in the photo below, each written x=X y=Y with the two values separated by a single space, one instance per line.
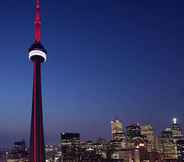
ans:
x=107 y=59
x=119 y=128
x=135 y=142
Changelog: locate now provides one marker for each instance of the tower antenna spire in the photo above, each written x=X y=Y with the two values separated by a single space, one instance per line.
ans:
x=37 y=21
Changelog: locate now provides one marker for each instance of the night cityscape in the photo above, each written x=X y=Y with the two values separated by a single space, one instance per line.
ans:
x=132 y=143
x=92 y=81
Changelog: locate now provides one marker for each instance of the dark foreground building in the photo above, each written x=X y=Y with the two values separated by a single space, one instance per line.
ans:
x=37 y=54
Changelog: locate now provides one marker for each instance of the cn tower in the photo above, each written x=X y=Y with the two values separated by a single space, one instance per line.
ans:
x=38 y=55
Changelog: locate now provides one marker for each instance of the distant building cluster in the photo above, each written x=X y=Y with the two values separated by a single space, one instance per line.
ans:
x=139 y=143
x=134 y=143
x=18 y=153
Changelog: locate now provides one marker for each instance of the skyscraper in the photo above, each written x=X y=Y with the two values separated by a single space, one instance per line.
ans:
x=70 y=145
x=176 y=130
x=37 y=54
x=149 y=135
x=133 y=131
x=168 y=144
x=118 y=133
x=117 y=129
x=134 y=136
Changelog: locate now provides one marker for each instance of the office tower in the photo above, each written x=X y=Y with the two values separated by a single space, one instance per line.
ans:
x=117 y=129
x=133 y=131
x=180 y=150
x=37 y=54
x=118 y=134
x=169 y=146
x=70 y=138
x=176 y=130
x=70 y=145
x=135 y=139
x=158 y=145
x=149 y=135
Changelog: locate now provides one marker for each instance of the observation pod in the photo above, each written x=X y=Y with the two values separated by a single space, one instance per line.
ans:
x=37 y=51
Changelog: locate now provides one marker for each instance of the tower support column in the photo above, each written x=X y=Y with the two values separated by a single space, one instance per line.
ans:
x=37 y=148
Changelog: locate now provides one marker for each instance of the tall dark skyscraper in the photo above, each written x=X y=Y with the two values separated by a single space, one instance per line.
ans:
x=37 y=54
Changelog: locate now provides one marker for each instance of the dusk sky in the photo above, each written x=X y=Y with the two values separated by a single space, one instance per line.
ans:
x=106 y=59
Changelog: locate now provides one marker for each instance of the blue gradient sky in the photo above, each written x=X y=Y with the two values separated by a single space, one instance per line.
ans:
x=106 y=59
